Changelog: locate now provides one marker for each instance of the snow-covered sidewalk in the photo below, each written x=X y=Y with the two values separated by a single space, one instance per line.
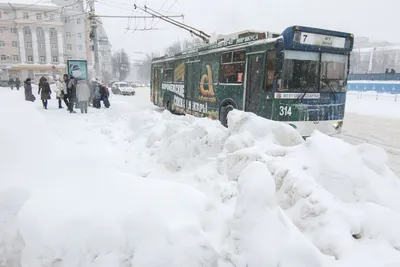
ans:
x=136 y=186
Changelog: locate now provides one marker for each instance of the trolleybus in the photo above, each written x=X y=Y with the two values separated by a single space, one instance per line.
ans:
x=298 y=77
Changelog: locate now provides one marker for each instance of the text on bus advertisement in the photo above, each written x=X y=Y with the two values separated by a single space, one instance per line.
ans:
x=178 y=89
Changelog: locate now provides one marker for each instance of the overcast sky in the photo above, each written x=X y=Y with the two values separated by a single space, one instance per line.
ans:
x=377 y=20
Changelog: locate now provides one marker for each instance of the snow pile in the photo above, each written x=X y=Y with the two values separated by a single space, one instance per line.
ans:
x=330 y=190
x=165 y=190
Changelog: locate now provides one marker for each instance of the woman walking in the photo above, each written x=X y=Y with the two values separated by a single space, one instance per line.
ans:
x=44 y=91
x=60 y=91
x=28 y=90
x=83 y=95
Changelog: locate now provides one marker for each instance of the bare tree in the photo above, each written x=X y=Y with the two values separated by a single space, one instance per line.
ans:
x=120 y=65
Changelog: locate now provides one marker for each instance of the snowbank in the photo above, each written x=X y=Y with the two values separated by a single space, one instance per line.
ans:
x=165 y=190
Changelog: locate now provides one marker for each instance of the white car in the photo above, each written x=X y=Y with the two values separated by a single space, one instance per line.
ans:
x=122 y=88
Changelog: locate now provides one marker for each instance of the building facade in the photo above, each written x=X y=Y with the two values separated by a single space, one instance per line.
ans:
x=374 y=57
x=31 y=41
x=104 y=54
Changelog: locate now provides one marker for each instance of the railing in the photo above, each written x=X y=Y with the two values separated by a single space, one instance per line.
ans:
x=374 y=95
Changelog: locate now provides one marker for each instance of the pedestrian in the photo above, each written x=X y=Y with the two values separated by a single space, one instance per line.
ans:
x=83 y=95
x=17 y=83
x=11 y=83
x=105 y=94
x=71 y=87
x=65 y=90
x=97 y=96
x=28 y=90
x=59 y=91
x=44 y=91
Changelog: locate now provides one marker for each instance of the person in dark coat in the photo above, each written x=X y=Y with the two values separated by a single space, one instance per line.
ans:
x=65 y=89
x=71 y=87
x=44 y=91
x=17 y=83
x=28 y=90
x=105 y=94
x=11 y=83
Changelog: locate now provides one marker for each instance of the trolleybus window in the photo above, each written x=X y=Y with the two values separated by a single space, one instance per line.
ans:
x=270 y=70
x=232 y=67
x=333 y=72
x=168 y=75
x=300 y=71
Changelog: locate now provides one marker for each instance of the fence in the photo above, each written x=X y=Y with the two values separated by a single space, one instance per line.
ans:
x=374 y=94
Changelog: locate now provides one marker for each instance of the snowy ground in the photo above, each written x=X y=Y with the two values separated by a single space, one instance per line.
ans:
x=374 y=119
x=136 y=186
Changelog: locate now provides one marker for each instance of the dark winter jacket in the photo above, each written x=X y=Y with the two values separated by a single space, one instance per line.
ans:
x=71 y=87
x=44 y=90
x=17 y=83
x=28 y=91
x=104 y=92
x=11 y=81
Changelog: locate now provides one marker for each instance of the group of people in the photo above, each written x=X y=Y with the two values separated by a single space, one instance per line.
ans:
x=12 y=82
x=75 y=93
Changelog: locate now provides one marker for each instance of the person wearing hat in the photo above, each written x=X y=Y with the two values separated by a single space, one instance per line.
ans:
x=28 y=90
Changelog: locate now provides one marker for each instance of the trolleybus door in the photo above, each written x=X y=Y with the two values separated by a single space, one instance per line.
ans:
x=156 y=86
x=254 y=82
x=192 y=82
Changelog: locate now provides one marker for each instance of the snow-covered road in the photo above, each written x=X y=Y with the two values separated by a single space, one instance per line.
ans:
x=374 y=121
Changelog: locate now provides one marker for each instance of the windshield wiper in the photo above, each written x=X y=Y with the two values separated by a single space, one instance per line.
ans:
x=307 y=87
x=329 y=84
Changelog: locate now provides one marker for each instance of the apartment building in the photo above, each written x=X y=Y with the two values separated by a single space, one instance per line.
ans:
x=31 y=40
x=76 y=34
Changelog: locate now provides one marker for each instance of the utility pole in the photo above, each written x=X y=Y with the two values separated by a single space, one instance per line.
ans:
x=93 y=36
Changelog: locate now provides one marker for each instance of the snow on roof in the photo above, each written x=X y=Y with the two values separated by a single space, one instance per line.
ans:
x=29 y=3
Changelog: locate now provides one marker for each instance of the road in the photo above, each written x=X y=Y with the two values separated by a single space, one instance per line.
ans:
x=380 y=131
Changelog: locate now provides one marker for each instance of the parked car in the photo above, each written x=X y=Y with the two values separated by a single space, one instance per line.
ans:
x=122 y=88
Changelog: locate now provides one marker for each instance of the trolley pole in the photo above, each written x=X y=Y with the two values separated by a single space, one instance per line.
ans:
x=93 y=36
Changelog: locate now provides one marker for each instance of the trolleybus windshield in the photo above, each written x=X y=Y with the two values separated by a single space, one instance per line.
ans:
x=300 y=72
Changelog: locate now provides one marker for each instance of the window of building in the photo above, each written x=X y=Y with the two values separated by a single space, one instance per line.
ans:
x=26 y=15
x=68 y=35
x=80 y=35
x=41 y=45
x=51 y=16
x=232 y=67
x=3 y=57
x=29 y=58
x=14 y=30
x=66 y=20
x=55 y=59
x=69 y=47
x=78 y=21
x=79 y=47
x=52 y=32
x=42 y=59
x=39 y=16
x=53 y=46
x=28 y=45
x=2 y=44
x=27 y=30
x=11 y=14
x=15 y=58
x=270 y=70
x=14 y=44
x=39 y=31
